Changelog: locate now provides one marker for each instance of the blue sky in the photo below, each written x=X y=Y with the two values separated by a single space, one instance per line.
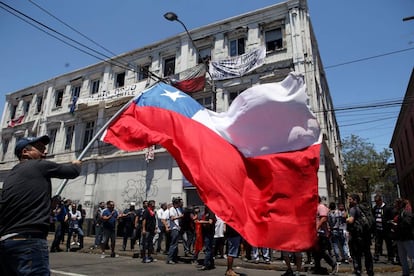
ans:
x=346 y=31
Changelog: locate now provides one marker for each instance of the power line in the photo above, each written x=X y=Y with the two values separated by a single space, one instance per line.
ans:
x=72 y=28
x=30 y=21
x=368 y=58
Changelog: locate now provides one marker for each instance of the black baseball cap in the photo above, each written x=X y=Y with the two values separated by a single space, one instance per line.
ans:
x=25 y=141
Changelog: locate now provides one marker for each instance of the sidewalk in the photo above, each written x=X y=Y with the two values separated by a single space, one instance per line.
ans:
x=275 y=264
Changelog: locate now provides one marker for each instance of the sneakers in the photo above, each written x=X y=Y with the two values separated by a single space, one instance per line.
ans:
x=146 y=260
x=113 y=255
x=102 y=255
x=335 y=269
x=171 y=262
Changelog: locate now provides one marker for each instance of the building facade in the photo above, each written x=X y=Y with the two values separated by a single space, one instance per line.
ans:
x=73 y=107
x=402 y=144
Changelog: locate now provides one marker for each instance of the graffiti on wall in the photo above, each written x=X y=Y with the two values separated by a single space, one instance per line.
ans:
x=140 y=189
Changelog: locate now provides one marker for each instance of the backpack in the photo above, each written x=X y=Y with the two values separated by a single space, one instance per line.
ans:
x=365 y=222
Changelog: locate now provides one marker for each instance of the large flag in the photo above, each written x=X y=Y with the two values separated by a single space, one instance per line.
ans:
x=255 y=165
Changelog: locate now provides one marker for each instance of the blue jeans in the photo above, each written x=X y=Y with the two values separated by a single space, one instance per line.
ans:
x=24 y=257
x=208 y=246
x=173 y=250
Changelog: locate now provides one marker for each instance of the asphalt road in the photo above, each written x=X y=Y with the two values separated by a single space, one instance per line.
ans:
x=80 y=264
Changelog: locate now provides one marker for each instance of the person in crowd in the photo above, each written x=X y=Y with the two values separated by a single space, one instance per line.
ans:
x=109 y=219
x=188 y=231
x=403 y=227
x=25 y=208
x=148 y=232
x=73 y=219
x=83 y=215
x=138 y=222
x=233 y=243
x=60 y=215
x=219 y=239
x=343 y=229
x=383 y=216
x=359 y=242
x=175 y=216
x=199 y=241
x=323 y=244
x=337 y=222
x=208 y=222
x=98 y=225
x=128 y=218
x=163 y=226
x=65 y=225
x=298 y=261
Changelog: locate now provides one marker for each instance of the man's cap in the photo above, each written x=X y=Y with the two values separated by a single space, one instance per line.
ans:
x=25 y=141
x=132 y=204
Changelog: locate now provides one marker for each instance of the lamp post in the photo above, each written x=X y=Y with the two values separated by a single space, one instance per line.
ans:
x=171 y=16
x=366 y=193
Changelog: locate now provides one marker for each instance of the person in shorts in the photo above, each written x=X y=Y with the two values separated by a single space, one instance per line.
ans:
x=233 y=243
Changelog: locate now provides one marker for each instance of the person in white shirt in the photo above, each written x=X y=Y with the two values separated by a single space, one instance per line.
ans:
x=175 y=217
x=73 y=218
x=163 y=217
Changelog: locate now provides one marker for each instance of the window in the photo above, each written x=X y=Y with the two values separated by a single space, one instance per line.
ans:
x=5 y=147
x=26 y=106
x=169 y=66
x=69 y=137
x=39 y=103
x=76 y=91
x=120 y=80
x=52 y=136
x=206 y=102
x=143 y=72
x=89 y=129
x=13 y=109
x=95 y=87
x=237 y=47
x=58 y=98
x=205 y=55
x=233 y=95
x=273 y=39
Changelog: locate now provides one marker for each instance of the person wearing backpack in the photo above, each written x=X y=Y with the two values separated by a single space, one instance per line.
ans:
x=360 y=236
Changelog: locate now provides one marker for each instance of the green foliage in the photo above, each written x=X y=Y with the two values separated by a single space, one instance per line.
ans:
x=364 y=166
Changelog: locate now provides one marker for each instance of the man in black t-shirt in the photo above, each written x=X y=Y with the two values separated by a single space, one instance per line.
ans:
x=149 y=223
x=25 y=207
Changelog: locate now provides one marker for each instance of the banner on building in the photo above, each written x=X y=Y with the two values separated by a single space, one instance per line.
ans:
x=237 y=66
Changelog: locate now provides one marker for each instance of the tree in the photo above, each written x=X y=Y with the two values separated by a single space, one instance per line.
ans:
x=364 y=167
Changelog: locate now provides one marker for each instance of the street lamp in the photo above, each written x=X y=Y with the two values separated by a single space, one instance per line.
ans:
x=366 y=193
x=171 y=16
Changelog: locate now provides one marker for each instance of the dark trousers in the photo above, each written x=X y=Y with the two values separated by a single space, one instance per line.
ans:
x=380 y=237
x=361 y=246
x=58 y=236
x=321 y=252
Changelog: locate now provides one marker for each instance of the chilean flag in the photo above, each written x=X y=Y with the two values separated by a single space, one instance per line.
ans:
x=255 y=165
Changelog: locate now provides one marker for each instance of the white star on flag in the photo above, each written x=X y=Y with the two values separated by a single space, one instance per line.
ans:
x=173 y=95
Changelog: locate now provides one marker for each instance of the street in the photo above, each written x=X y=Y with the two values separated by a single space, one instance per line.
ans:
x=79 y=264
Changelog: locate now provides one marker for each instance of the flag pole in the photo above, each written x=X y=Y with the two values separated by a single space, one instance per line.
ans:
x=96 y=137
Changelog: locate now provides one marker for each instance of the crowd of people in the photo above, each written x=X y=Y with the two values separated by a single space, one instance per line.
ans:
x=158 y=231
x=342 y=235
